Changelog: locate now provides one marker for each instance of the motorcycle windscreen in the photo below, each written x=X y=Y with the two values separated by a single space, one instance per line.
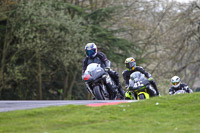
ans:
x=92 y=67
x=180 y=92
x=94 y=70
x=145 y=81
x=98 y=72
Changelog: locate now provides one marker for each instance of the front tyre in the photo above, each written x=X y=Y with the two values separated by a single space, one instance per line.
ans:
x=127 y=98
x=142 y=96
x=98 y=93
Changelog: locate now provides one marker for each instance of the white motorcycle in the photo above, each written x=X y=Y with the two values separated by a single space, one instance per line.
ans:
x=180 y=92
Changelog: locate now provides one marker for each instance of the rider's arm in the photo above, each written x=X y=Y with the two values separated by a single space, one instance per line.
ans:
x=141 y=69
x=171 y=91
x=104 y=59
x=187 y=89
x=126 y=78
x=108 y=64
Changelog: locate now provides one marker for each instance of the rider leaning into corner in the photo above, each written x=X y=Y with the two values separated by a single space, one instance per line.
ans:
x=131 y=67
x=177 y=85
x=92 y=56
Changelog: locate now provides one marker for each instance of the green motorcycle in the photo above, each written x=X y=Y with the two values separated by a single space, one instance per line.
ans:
x=138 y=86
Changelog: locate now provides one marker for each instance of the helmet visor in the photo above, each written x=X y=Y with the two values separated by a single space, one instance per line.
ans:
x=175 y=83
x=90 y=53
x=130 y=65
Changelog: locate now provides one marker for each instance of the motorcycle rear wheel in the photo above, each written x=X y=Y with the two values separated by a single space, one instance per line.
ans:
x=98 y=93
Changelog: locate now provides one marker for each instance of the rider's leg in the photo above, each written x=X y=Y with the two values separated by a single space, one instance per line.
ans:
x=115 y=76
x=152 y=92
x=153 y=83
x=109 y=85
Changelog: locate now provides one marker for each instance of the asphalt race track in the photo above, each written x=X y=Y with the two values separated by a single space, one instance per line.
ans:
x=30 y=104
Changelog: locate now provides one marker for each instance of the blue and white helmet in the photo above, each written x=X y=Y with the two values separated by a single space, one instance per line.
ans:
x=91 y=50
x=176 y=81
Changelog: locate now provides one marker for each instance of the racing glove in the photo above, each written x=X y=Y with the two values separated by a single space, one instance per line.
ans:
x=150 y=79
x=107 y=69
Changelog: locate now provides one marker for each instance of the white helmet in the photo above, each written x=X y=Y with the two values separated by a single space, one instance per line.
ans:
x=176 y=81
x=91 y=50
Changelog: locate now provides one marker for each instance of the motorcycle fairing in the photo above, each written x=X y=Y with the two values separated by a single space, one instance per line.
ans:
x=93 y=72
x=87 y=77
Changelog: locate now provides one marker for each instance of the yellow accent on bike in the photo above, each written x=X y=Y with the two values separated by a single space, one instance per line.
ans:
x=128 y=95
x=145 y=94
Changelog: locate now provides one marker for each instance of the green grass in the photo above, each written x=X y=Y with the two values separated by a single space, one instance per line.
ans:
x=180 y=113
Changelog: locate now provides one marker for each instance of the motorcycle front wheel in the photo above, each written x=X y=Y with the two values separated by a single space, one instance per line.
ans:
x=141 y=97
x=98 y=93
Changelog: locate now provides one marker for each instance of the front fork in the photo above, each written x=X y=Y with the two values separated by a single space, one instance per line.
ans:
x=106 y=94
x=130 y=95
x=89 y=89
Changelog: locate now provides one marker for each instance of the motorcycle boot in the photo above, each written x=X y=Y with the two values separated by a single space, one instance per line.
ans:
x=121 y=91
x=113 y=92
x=152 y=92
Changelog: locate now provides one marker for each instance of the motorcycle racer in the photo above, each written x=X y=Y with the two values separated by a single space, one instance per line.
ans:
x=177 y=85
x=92 y=56
x=131 y=67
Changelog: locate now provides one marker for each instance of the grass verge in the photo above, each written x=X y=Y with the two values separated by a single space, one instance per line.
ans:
x=180 y=113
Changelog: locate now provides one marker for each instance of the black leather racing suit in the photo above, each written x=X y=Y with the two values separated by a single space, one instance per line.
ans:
x=101 y=59
x=182 y=86
x=126 y=75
